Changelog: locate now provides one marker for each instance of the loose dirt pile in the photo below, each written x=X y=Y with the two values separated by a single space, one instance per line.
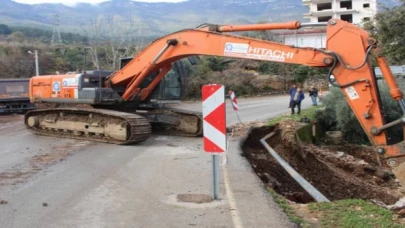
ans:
x=338 y=172
x=243 y=129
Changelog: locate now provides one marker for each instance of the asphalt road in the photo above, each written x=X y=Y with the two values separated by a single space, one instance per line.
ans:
x=52 y=182
x=252 y=109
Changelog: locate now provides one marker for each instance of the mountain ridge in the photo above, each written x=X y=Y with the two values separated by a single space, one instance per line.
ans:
x=152 y=19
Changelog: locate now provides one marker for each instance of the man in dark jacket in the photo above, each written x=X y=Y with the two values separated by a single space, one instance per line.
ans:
x=313 y=93
x=297 y=97
x=291 y=91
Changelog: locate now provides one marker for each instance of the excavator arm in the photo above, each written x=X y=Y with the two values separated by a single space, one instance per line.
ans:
x=347 y=54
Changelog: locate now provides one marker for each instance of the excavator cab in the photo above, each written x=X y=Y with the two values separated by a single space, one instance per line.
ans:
x=169 y=90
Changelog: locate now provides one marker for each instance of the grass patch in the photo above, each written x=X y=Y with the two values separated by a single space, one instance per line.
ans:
x=353 y=213
x=282 y=202
x=309 y=112
x=350 y=213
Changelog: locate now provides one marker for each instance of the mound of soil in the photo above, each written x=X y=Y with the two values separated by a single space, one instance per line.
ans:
x=242 y=129
x=338 y=172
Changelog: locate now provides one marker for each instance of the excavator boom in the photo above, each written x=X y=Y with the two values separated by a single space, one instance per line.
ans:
x=185 y=43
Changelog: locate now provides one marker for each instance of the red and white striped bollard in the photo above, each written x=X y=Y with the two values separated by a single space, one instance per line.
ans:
x=214 y=127
x=235 y=105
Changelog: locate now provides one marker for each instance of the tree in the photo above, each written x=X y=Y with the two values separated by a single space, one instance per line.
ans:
x=16 y=63
x=5 y=30
x=16 y=37
x=112 y=39
x=388 y=27
x=338 y=115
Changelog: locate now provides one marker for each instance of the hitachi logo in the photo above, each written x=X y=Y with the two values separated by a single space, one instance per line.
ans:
x=270 y=53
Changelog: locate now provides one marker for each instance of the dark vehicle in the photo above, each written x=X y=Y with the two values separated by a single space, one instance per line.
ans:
x=14 y=96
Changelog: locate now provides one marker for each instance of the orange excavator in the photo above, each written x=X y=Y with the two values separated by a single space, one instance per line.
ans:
x=114 y=108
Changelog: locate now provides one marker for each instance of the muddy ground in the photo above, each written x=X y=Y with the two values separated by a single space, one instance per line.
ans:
x=338 y=172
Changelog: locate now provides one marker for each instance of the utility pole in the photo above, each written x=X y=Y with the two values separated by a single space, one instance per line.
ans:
x=36 y=61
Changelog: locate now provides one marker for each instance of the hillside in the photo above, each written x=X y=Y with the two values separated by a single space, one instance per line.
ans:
x=150 y=18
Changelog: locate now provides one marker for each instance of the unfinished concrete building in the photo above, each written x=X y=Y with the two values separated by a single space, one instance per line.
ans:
x=353 y=11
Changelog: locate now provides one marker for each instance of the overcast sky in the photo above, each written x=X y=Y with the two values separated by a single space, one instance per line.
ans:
x=72 y=2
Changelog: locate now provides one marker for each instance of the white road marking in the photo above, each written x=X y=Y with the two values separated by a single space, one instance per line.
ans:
x=231 y=200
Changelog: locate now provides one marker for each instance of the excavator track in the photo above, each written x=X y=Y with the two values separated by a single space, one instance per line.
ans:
x=89 y=124
x=190 y=123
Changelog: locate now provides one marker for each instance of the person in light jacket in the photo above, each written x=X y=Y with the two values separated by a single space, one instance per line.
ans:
x=297 y=97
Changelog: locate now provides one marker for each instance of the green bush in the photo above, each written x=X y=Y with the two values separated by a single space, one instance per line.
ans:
x=337 y=114
x=269 y=67
x=232 y=74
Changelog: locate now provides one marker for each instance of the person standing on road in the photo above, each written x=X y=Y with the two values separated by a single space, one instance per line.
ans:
x=291 y=91
x=313 y=93
x=297 y=96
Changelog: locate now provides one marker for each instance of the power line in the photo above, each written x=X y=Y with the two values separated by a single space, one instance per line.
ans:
x=56 y=38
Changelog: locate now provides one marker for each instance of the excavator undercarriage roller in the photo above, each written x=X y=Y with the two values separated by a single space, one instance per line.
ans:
x=89 y=124
x=179 y=122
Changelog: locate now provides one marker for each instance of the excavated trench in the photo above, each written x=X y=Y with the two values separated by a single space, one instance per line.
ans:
x=338 y=172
